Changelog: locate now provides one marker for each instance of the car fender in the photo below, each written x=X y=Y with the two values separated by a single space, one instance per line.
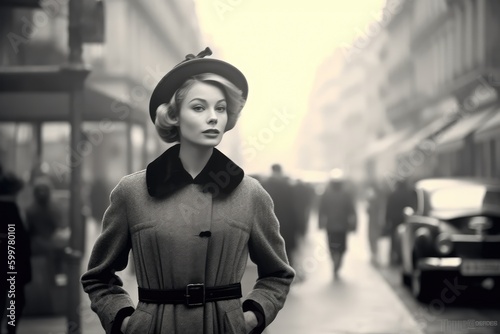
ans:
x=408 y=239
x=405 y=245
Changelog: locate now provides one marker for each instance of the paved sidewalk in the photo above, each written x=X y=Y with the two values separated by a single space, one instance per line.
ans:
x=359 y=302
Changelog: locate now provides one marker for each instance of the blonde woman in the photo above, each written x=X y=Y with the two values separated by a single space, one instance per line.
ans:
x=191 y=219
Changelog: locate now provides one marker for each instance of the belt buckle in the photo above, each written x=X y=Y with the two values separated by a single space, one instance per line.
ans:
x=195 y=294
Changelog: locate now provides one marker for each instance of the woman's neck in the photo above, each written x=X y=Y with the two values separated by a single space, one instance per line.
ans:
x=194 y=157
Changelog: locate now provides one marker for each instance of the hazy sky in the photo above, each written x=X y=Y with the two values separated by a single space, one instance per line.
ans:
x=279 y=45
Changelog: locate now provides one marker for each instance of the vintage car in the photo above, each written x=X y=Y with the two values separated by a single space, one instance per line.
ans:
x=450 y=239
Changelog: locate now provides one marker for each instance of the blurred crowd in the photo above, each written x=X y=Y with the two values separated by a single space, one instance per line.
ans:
x=36 y=212
x=335 y=202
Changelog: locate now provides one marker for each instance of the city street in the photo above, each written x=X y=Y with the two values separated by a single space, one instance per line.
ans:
x=387 y=111
x=365 y=300
x=359 y=302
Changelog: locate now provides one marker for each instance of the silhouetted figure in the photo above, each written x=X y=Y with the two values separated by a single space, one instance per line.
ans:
x=375 y=201
x=396 y=202
x=44 y=218
x=281 y=191
x=99 y=198
x=16 y=252
x=304 y=195
x=338 y=215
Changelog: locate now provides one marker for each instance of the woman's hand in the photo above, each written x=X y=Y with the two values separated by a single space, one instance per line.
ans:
x=250 y=321
x=123 y=328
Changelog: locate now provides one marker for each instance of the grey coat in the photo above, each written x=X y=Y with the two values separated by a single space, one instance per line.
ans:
x=159 y=213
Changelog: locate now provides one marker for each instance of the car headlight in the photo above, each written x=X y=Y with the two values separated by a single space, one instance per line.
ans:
x=423 y=239
x=423 y=233
x=444 y=244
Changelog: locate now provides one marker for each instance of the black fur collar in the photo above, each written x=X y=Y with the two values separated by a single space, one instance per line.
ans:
x=165 y=175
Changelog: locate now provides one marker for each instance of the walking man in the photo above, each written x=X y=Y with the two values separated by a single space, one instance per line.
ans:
x=338 y=216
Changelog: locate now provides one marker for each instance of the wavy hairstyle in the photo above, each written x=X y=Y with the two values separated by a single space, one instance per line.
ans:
x=168 y=129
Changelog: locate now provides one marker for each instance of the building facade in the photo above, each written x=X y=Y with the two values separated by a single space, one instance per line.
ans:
x=452 y=61
x=430 y=92
x=142 y=41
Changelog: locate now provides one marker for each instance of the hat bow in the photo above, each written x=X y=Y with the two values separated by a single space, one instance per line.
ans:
x=202 y=54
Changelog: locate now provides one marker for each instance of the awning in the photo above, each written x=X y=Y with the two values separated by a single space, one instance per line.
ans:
x=490 y=129
x=424 y=133
x=102 y=104
x=54 y=106
x=454 y=138
x=384 y=144
x=41 y=93
x=50 y=79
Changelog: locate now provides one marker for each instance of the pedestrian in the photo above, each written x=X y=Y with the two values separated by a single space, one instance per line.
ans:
x=16 y=253
x=281 y=190
x=337 y=215
x=191 y=219
x=45 y=222
x=99 y=198
x=304 y=196
x=397 y=200
x=375 y=208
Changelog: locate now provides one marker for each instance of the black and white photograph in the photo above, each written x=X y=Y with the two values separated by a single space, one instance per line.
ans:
x=250 y=166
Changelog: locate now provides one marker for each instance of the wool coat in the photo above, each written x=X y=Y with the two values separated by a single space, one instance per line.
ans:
x=160 y=214
x=337 y=210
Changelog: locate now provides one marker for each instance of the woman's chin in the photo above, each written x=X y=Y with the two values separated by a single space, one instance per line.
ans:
x=206 y=142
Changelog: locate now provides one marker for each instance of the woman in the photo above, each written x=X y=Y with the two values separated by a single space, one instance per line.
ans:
x=191 y=218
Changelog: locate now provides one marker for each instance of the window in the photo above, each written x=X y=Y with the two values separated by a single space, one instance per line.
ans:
x=494 y=158
x=481 y=161
x=56 y=151
x=459 y=42
x=138 y=139
x=473 y=33
x=481 y=33
x=414 y=201
x=17 y=147
x=468 y=34
x=458 y=197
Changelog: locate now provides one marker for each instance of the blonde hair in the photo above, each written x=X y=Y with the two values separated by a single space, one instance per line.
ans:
x=166 y=113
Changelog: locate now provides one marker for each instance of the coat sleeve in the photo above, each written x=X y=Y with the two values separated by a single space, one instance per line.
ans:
x=110 y=254
x=267 y=251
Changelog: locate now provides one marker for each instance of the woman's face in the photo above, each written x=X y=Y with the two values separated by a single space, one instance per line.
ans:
x=203 y=115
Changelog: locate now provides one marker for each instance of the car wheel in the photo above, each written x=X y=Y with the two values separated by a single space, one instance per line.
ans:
x=421 y=283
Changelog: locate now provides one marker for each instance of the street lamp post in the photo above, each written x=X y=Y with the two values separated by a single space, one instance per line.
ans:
x=86 y=25
x=77 y=72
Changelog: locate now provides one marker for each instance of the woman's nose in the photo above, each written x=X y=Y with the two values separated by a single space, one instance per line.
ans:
x=212 y=117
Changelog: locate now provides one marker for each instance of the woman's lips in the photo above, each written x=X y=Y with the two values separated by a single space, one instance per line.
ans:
x=212 y=131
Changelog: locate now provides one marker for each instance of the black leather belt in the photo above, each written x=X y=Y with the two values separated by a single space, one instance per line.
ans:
x=193 y=295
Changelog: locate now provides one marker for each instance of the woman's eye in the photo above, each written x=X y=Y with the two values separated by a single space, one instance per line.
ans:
x=221 y=108
x=198 y=108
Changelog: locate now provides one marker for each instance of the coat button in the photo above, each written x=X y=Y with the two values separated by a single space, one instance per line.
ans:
x=205 y=234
